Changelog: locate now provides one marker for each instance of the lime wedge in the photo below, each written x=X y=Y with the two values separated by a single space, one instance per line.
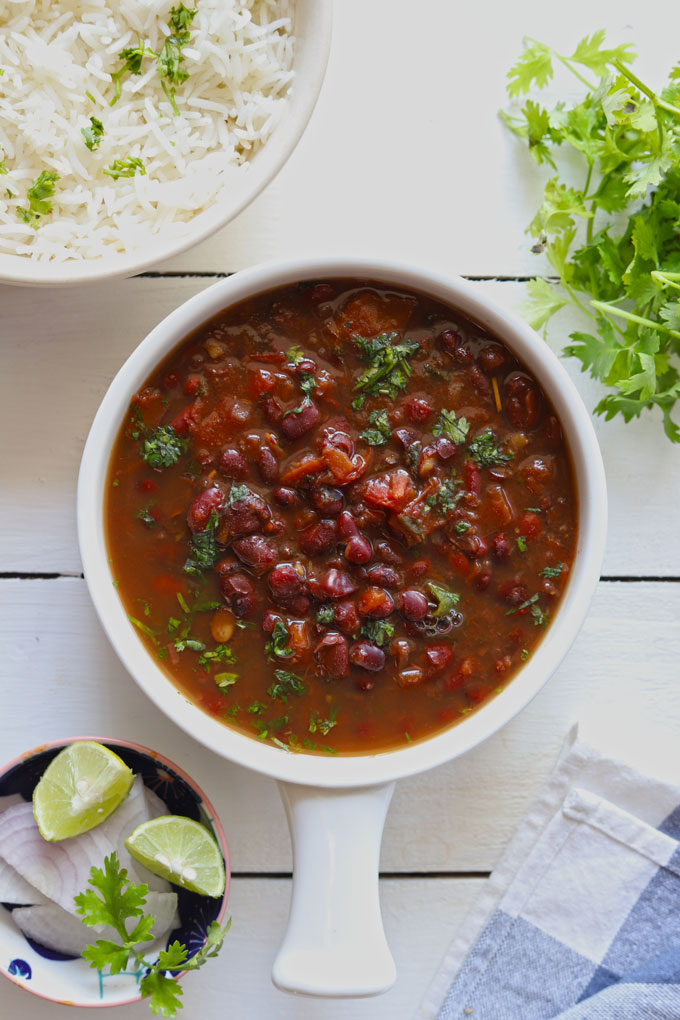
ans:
x=180 y=850
x=79 y=789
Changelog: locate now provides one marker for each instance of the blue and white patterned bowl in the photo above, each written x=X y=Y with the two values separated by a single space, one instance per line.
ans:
x=70 y=980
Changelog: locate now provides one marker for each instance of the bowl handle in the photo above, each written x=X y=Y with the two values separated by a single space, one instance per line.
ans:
x=335 y=943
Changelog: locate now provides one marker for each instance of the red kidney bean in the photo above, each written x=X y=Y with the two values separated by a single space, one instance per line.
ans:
x=332 y=655
x=418 y=409
x=202 y=507
x=375 y=602
x=501 y=546
x=347 y=526
x=437 y=658
x=233 y=464
x=491 y=358
x=326 y=500
x=471 y=544
x=320 y=538
x=529 y=525
x=336 y=584
x=244 y=516
x=537 y=472
x=269 y=621
x=483 y=581
x=412 y=604
x=267 y=465
x=358 y=550
x=239 y=594
x=387 y=554
x=286 y=497
x=480 y=381
x=384 y=577
x=418 y=569
x=295 y=425
x=255 y=552
x=522 y=401
x=513 y=591
x=338 y=439
x=366 y=655
x=286 y=580
x=452 y=342
x=298 y=605
x=346 y=617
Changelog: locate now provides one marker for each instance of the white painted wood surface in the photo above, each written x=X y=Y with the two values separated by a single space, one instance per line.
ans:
x=404 y=156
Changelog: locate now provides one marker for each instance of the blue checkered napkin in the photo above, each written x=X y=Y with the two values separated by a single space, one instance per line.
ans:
x=581 y=918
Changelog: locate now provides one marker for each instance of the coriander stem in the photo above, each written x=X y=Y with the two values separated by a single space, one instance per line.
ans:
x=633 y=78
x=603 y=306
x=567 y=64
x=576 y=301
x=666 y=279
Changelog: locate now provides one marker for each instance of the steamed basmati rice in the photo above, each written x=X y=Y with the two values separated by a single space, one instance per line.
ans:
x=53 y=52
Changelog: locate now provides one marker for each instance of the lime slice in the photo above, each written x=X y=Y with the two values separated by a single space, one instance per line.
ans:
x=79 y=789
x=180 y=850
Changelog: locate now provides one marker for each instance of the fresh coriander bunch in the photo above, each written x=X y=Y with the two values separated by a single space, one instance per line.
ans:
x=114 y=900
x=615 y=241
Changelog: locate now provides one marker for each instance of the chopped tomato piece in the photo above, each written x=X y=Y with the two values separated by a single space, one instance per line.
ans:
x=529 y=525
x=392 y=490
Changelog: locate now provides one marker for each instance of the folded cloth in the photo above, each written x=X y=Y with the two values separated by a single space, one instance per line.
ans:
x=581 y=918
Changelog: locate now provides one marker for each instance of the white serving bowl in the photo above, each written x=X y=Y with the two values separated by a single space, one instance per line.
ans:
x=336 y=806
x=312 y=30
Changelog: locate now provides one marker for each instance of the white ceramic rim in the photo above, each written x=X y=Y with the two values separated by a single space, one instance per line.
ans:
x=312 y=30
x=347 y=770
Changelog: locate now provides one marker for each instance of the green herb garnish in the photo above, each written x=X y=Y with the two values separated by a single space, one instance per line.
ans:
x=319 y=725
x=125 y=168
x=133 y=58
x=39 y=195
x=485 y=450
x=455 y=429
x=326 y=614
x=295 y=356
x=3 y=169
x=614 y=242
x=113 y=900
x=145 y=629
x=522 y=543
x=462 y=527
x=145 y=515
x=378 y=631
x=171 y=59
x=93 y=134
x=389 y=366
x=237 y=493
x=182 y=644
x=446 y=600
x=448 y=495
x=163 y=447
x=552 y=571
x=524 y=654
x=381 y=432
x=525 y=605
x=277 y=646
x=220 y=653
x=286 y=683
x=225 y=679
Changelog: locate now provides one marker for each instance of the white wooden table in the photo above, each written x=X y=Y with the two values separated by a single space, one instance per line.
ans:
x=404 y=155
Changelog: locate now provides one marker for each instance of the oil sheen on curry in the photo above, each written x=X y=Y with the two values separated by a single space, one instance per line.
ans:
x=341 y=515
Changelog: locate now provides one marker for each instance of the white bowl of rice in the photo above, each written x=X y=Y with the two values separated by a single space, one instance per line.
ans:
x=130 y=130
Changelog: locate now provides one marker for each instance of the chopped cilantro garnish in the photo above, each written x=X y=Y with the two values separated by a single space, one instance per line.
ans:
x=378 y=631
x=93 y=134
x=325 y=614
x=204 y=549
x=232 y=712
x=307 y=383
x=389 y=365
x=3 y=168
x=194 y=646
x=462 y=527
x=286 y=683
x=552 y=571
x=319 y=725
x=522 y=543
x=455 y=429
x=539 y=617
x=132 y=58
x=533 y=509
x=145 y=629
x=170 y=59
x=276 y=647
x=39 y=195
x=173 y=625
x=485 y=450
x=525 y=605
x=237 y=493
x=183 y=602
x=163 y=447
x=145 y=515
x=125 y=168
x=225 y=679
x=524 y=654
x=295 y=356
x=381 y=431
x=220 y=653
x=446 y=600
x=448 y=495
x=256 y=708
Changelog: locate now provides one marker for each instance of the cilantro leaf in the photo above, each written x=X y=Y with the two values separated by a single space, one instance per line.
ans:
x=534 y=67
x=446 y=600
x=484 y=449
x=163 y=447
x=39 y=195
x=380 y=632
x=319 y=725
x=552 y=571
x=93 y=134
x=277 y=646
x=542 y=302
x=164 y=992
x=125 y=168
x=326 y=614
x=286 y=683
x=381 y=432
x=389 y=369
x=455 y=429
